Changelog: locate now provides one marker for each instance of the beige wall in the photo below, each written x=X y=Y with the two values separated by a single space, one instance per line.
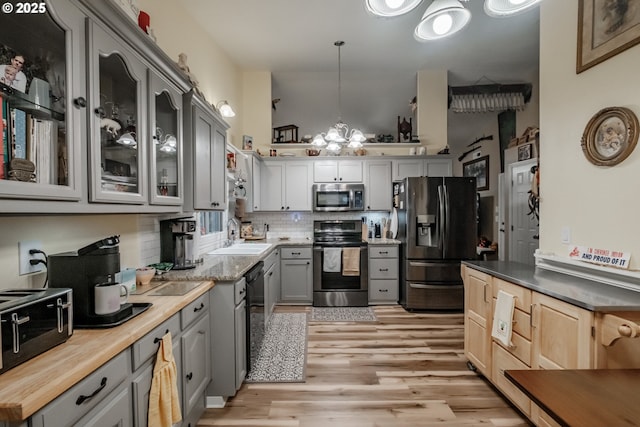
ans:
x=219 y=78
x=62 y=234
x=599 y=204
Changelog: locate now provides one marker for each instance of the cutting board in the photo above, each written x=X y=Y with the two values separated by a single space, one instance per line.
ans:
x=254 y=238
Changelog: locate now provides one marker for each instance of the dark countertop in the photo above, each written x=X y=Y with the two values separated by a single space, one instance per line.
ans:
x=583 y=398
x=588 y=294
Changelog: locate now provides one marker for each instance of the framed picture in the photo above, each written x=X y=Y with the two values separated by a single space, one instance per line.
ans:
x=525 y=151
x=610 y=136
x=605 y=28
x=247 y=142
x=480 y=169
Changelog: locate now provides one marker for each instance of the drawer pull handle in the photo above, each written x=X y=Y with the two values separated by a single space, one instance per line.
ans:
x=384 y=269
x=84 y=398
x=384 y=252
x=296 y=253
x=157 y=340
x=384 y=290
x=189 y=376
x=197 y=309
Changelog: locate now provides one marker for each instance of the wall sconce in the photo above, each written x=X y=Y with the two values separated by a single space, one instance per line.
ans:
x=225 y=109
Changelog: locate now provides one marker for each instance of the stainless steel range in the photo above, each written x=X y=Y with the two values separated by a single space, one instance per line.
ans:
x=340 y=264
x=31 y=322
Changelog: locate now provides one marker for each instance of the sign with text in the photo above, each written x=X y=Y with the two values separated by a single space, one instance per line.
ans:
x=606 y=257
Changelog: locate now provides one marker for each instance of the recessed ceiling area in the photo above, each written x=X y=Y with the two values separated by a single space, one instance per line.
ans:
x=294 y=36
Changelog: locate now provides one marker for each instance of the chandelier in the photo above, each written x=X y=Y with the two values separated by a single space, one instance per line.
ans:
x=339 y=134
x=445 y=17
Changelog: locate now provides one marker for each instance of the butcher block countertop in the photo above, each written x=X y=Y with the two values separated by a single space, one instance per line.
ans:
x=32 y=385
x=583 y=397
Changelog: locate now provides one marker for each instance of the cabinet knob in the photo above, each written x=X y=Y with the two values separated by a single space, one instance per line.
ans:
x=340 y=179
x=287 y=207
x=335 y=179
x=99 y=112
x=308 y=262
x=281 y=208
x=80 y=102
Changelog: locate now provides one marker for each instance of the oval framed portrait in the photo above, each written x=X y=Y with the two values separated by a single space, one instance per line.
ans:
x=610 y=136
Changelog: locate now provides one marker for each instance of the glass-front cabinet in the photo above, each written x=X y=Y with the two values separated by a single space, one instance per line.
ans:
x=42 y=103
x=119 y=138
x=165 y=160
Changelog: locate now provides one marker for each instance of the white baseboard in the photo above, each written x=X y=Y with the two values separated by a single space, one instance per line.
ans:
x=215 y=402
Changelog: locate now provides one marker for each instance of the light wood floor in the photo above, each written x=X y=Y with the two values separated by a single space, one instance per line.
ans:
x=406 y=369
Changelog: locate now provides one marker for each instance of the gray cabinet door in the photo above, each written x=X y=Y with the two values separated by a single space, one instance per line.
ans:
x=378 y=185
x=196 y=367
x=240 y=317
x=272 y=186
x=296 y=280
x=115 y=410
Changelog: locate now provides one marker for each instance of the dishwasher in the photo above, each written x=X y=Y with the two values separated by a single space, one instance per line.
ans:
x=255 y=312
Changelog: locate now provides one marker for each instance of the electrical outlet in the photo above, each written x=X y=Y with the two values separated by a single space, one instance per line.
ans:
x=24 y=257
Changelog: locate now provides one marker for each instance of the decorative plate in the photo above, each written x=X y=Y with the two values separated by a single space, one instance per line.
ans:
x=610 y=136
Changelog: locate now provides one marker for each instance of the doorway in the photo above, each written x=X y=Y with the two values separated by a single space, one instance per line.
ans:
x=522 y=225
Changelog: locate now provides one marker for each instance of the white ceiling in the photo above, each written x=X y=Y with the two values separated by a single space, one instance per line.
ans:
x=298 y=35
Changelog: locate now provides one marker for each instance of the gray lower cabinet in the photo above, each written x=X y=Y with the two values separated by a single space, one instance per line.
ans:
x=88 y=399
x=271 y=283
x=383 y=274
x=117 y=393
x=296 y=275
x=196 y=365
x=228 y=340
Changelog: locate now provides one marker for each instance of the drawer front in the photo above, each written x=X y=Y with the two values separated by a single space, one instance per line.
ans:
x=147 y=346
x=522 y=323
x=382 y=290
x=503 y=361
x=240 y=290
x=521 y=349
x=295 y=253
x=194 y=310
x=76 y=402
x=386 y=251
x=523 y=295
x=383 y=269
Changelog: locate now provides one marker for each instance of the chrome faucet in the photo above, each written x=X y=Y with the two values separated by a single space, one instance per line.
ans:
x=233 y=229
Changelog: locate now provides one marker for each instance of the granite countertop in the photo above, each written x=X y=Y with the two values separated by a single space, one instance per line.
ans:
x=229 y=268
x=588 y=294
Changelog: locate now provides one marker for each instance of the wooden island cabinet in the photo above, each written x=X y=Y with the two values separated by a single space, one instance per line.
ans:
x=552 y=328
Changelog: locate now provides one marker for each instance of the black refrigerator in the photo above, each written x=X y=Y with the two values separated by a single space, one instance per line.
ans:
x=437 y=225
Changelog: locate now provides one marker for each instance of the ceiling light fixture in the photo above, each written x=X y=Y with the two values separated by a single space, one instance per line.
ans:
x=339 y=134
x=445 y=17
x=225 y=109
x=506 y=8
x=442 y=19
x=390 y=8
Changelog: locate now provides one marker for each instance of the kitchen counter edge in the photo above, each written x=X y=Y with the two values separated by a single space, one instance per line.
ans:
x=27 y=388
x=588 y=294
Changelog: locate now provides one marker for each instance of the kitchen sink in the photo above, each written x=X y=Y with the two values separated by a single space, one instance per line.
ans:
x=243 y=249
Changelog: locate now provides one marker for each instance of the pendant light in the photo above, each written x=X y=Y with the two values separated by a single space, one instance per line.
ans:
x=506 y=8
x=442 y=19
x=339 y=134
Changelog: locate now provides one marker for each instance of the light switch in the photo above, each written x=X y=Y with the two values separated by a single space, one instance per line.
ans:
x=565 y=235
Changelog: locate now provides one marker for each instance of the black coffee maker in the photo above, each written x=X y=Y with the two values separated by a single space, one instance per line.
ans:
x=177 y=242
x=81 y=271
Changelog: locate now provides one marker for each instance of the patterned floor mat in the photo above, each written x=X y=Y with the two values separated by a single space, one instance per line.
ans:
x=343 y=314
x=283 y=354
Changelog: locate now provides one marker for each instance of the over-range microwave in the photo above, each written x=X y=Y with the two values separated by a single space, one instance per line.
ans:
x=338 y=197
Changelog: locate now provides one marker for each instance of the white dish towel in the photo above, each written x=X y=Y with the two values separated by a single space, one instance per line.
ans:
x=503 y=318
x=331 y=260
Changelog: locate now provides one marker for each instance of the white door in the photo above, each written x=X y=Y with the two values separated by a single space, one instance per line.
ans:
x=523 y=227
x=503 y=216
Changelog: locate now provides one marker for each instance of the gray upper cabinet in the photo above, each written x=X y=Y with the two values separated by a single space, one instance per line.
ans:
x=205 y=156
x=47 y=115
x=165 y=155
x=337 y=171
x=118 y=127
x=378 y=185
